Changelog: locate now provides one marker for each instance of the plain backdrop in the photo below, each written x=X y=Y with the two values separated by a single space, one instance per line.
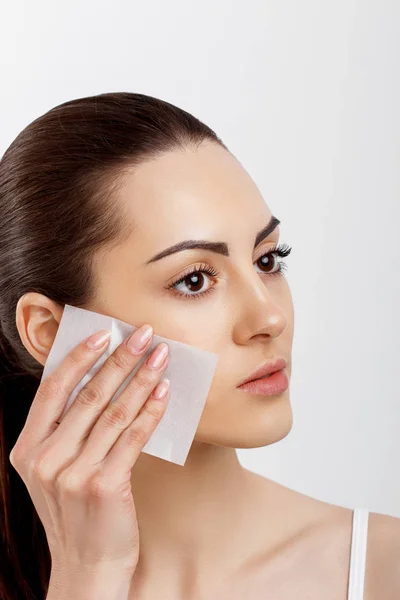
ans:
x=306 y=95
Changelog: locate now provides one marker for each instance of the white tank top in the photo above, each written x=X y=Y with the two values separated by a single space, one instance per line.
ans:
x=358 y=554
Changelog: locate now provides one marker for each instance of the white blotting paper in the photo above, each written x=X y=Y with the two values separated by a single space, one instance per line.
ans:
x=190 y=371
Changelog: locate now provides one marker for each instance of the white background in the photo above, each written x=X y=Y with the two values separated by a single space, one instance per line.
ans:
x=306 y=95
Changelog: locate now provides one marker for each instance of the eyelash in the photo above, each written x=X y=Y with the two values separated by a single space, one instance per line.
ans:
x=281 y=250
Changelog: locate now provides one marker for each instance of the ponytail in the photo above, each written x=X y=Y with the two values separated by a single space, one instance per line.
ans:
x=24 y=554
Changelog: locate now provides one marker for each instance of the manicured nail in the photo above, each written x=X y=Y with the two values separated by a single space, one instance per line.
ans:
x=98 y=340
x=139 y=338
x=161 y=389
x=157 y=357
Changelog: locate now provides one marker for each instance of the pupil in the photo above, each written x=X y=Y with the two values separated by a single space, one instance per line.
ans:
x=197 y=279
x=265 y=260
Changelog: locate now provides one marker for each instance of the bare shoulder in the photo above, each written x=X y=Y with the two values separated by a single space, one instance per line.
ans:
x=323 y=536
x=382 y=570
x=382 y=567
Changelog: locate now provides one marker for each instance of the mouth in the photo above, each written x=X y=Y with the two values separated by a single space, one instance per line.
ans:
x=266 y=370
x=269 y=385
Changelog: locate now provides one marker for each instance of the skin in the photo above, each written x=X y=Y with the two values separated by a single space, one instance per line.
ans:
x=213 y=529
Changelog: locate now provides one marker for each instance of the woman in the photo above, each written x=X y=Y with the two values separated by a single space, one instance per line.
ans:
x=92 y=194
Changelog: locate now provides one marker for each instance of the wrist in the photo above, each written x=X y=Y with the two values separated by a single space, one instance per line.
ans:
x=97 y=583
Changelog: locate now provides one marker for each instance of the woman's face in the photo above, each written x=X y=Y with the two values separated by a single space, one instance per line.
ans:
x=240 y=312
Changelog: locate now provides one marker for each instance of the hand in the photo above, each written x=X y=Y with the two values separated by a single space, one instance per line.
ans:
x=78 y=473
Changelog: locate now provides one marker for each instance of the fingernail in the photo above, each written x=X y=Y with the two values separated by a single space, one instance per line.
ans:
x=139 y=338
x=157 y=357
x=98 y=339
x=161 y=389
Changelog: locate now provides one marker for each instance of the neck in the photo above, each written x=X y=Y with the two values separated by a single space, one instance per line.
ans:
x=197 y=517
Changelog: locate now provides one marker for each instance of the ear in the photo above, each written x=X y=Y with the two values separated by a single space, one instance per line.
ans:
x=37 y=320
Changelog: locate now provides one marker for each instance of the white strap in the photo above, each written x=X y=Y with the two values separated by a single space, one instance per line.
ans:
x=358 y=554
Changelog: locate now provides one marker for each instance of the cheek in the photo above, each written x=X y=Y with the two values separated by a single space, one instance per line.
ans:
x=290 y=312
x=285 y=301
x=203 y=331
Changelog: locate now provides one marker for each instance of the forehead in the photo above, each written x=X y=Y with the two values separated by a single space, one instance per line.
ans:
x=193 y=191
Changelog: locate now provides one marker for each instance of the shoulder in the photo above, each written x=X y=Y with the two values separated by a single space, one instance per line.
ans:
x=382 y=570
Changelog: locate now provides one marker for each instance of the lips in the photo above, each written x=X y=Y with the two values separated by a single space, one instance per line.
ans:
x=273 y=385
x=266 y=369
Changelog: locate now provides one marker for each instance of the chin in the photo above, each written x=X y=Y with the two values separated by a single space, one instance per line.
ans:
x=248 y=427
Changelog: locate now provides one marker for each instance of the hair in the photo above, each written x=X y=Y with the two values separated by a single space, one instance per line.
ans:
x=58 y=185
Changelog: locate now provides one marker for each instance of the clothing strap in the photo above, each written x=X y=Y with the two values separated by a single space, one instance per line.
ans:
x=358 y=554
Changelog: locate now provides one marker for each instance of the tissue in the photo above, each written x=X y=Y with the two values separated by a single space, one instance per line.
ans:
x=190 y=371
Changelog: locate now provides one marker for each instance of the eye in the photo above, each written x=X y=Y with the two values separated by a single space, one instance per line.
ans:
x=194 y=279
x=268 y=260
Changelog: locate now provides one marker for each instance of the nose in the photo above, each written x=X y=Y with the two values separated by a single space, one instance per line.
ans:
x=259 y=309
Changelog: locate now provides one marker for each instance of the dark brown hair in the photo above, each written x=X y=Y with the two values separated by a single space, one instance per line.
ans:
x=58 y=184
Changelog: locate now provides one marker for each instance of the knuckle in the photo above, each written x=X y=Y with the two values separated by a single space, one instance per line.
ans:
x=116 y=415
x=11 y=457
x=136 y=436
x=99 y=487
x=120 y=362
x=90 y=395
x=16 y=456
x=69 y=482
x=143 y=381
x=49 y=387
x=153 y=411
x=41 y=469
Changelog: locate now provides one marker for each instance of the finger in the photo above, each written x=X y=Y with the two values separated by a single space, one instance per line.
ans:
x=54 y=391
x=124 y=453
x=120 y=414
x=96 y=395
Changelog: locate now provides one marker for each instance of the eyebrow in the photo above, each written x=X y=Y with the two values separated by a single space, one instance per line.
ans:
x=218 y=247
